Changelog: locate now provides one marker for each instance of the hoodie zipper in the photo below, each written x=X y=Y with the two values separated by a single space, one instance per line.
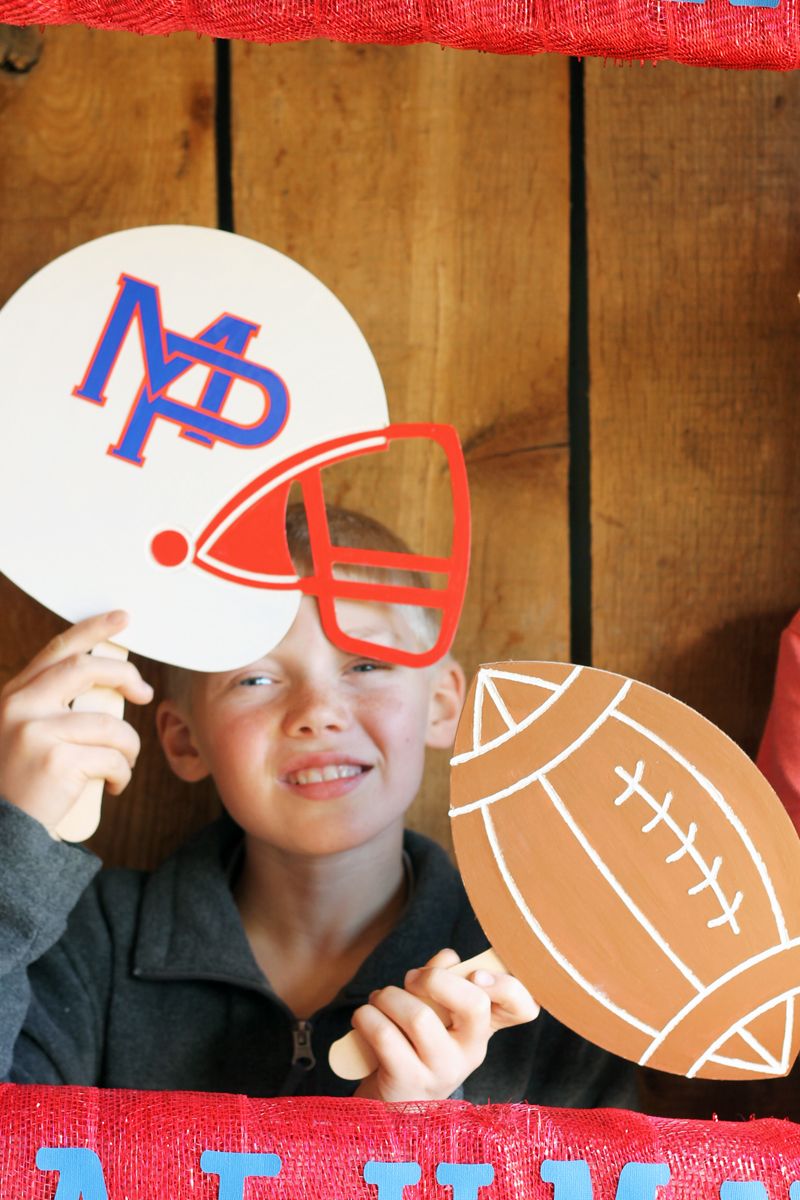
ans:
x=303 y=1054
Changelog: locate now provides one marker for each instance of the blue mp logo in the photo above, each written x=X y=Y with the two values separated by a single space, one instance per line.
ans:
x=169 y=355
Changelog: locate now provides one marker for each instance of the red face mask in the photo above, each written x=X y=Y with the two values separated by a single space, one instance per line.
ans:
x=246 y=543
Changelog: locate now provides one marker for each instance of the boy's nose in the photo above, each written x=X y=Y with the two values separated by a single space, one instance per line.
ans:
x=315 y=709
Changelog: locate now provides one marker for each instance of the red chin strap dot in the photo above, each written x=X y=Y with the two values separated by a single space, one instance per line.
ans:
x=170 y=548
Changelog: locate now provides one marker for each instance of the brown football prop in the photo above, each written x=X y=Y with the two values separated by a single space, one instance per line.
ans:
x=632 y=867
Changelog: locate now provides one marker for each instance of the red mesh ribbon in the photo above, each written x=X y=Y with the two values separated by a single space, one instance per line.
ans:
x=713 y=33
x=150 y=1145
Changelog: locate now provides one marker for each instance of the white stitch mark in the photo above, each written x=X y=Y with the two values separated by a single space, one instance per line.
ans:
x=727 y=811
x=679 y=853
x=687 y=846
x=549 y=946
x=610 y=878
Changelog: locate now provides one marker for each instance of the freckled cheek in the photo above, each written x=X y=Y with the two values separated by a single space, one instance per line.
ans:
x=390 y=720
x=237 y=747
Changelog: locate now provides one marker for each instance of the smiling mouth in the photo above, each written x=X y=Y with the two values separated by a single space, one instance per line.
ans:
x=325 y=774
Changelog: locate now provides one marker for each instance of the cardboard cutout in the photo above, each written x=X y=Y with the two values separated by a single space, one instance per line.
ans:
x=632 y=867
x=190 y=377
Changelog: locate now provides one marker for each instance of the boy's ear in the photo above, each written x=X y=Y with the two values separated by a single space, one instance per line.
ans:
x=177 y=742
x=448 y=689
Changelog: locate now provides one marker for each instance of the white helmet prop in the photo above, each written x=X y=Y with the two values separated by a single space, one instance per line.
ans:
x=163 y=387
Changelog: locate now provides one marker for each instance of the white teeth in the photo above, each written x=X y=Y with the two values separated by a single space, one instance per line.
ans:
x=325 y=775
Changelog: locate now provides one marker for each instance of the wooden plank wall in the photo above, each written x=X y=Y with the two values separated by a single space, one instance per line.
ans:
x=105 y=131
x=429 y=190
x=694 y=267
x=693 y=181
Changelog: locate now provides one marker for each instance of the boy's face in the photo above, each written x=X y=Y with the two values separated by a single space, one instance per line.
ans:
x=315 y=750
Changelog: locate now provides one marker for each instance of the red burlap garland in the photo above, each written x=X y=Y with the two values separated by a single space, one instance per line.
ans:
x=150 y=1143
x=712 y=33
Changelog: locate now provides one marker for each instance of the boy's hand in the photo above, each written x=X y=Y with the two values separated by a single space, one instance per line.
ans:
x=420 y=1057
x=48 y=753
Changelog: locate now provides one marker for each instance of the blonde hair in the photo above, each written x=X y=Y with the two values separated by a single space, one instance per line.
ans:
x=356 y=531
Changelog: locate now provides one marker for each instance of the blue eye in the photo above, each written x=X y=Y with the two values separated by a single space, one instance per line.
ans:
x=369 y=666
x=256 y=681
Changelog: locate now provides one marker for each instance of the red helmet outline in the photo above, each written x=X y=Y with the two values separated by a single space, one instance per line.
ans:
x=268 y=494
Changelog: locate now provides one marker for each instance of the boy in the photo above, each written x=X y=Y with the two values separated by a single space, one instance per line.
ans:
x=236 y=964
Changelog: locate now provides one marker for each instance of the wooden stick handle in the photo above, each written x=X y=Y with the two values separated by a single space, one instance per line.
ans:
x=83 y=818
x=352 y=1058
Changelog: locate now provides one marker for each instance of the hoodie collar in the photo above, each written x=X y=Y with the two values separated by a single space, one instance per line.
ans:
x=189 y=926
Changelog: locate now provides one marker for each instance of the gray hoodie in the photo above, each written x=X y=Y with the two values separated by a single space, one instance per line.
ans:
x=124 y=979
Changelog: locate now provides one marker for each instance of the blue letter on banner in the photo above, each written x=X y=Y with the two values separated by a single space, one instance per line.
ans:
x=750 y=1190
x=391 y=1178
x=570 y=1180
x=638 y=1181
x=80 y=1172
x=464 y=1178
x=233 y=1169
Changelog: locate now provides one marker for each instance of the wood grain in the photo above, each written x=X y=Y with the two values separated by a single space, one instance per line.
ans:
x=694 y=266
x=429 y=190
x=693 y=184
x=105 y=131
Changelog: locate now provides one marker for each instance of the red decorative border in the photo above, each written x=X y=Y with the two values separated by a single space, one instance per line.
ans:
x=713 y=33
x=149 y=1146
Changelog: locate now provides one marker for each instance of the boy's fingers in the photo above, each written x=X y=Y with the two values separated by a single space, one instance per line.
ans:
x=95 y=671
x=56 y=687
x=78 y=639
x=103 y=762
x=76 y=767
x=422 y=1027
x=512 y=1003
x=94 y=729
x=445 y=958
x=470 y=1007
x=396 y=1055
